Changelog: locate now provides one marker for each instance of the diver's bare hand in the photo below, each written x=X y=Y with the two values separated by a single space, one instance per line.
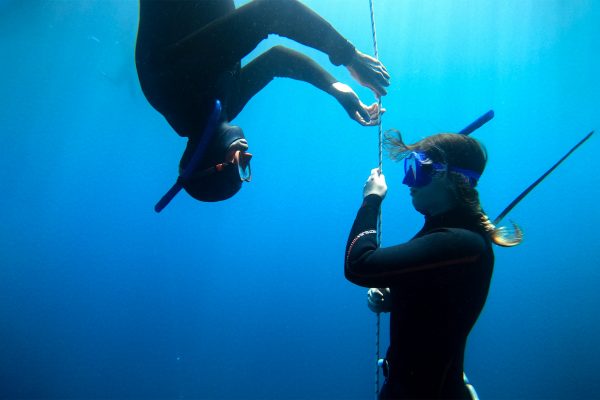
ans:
x=369 y=72
x=356 y=109
x=374 y=113
x=375 y=184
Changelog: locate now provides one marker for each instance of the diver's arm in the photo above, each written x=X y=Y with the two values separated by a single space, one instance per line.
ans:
x=363 y=238
x=413 y=261
x=368 y=265
x=280 y=61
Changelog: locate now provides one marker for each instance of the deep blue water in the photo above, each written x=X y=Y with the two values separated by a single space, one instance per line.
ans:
x=102 y=298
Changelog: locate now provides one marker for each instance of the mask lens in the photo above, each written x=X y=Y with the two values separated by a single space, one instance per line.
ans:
x=242 y=161
x=410 y=170
x=417 y=170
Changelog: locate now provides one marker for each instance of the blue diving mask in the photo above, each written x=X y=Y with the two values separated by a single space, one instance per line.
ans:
x=419 y=170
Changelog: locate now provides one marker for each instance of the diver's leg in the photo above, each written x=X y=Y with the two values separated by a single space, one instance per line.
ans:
x=228 y=39
x=279 y=61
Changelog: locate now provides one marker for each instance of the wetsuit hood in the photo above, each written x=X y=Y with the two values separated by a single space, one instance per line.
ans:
x=220 y=185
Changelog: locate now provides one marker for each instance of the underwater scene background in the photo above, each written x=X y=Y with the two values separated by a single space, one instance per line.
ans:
x=100 y=297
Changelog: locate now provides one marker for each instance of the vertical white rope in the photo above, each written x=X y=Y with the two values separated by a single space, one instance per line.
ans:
x=374 y=30
x=377 y=334
x=377 y=357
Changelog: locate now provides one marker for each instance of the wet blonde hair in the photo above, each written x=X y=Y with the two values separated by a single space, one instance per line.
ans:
x=464 y=152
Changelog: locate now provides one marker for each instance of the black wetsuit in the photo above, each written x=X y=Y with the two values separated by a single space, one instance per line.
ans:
x=439 y=282
x=188 y=54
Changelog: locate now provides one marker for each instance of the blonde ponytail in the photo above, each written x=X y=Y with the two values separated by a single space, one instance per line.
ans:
x=469 y=197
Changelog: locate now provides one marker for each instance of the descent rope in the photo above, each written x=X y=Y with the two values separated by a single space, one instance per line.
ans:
x=377 y=353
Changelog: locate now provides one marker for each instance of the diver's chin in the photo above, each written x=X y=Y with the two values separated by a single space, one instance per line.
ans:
x=420 y=210
x=423 y=212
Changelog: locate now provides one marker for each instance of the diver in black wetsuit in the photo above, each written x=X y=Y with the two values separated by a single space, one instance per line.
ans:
x=436 y=284
x=188 y=55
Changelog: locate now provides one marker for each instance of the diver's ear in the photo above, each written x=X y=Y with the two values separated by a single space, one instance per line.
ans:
x=441 y=176
x=452 y=187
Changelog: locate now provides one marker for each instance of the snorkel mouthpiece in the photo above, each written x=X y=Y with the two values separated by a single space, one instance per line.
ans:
x=207 y=135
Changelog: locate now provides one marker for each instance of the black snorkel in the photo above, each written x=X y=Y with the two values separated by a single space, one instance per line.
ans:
x=207 y=135
x=538 y=181
x=488 y=116
x=478 y=123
